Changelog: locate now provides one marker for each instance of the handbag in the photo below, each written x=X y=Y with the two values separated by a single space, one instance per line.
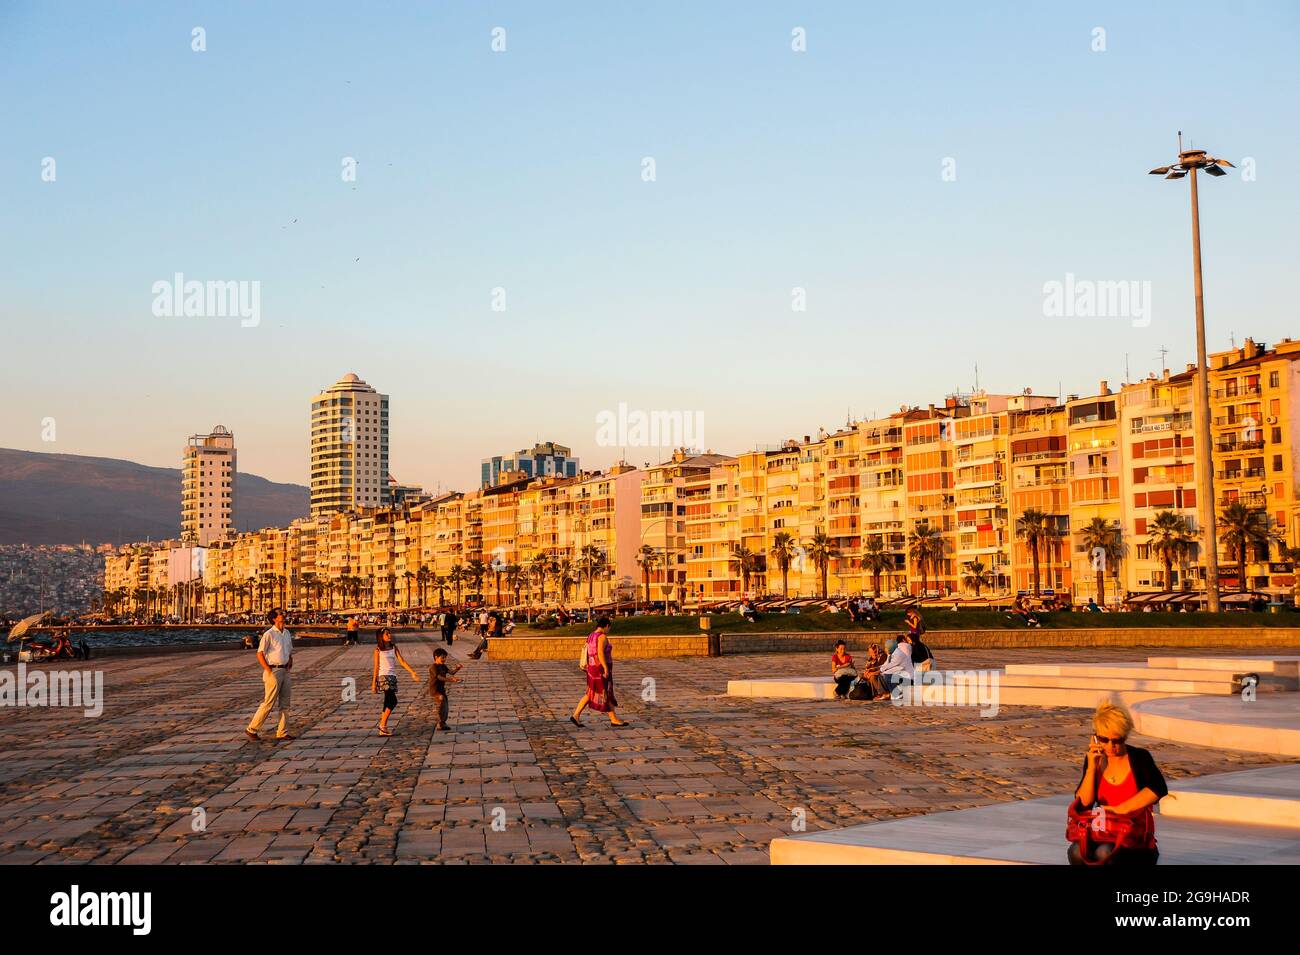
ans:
x=582 y=660
x=386 y=683
x=844 y=671
x=1101 y=825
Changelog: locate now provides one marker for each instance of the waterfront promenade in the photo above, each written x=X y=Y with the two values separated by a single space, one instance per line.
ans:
x=699 y=777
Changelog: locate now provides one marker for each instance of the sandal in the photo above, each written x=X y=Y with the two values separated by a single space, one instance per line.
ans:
x=384 y=732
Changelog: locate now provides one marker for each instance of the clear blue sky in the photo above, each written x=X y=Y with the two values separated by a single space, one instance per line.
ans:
x=523 y=170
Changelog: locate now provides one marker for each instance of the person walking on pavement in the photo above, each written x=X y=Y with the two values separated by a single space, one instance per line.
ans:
x=449 y=622
x=598 y=666
x=275 y=654
x=383 y=675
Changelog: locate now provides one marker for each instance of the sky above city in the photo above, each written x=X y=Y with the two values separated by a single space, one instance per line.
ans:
x=507 y=265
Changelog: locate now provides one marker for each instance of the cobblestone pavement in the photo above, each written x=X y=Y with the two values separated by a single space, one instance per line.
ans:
x=698 y=777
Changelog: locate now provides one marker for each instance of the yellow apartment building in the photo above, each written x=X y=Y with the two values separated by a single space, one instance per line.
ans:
x=1039 y=480
x=842 y=494
x=883 y=495
x=1095 y=469
x=1254 y=399
x=981 y=466
x=1157 y=428
x=710 y=499
x=928 y=467
x=663 y=512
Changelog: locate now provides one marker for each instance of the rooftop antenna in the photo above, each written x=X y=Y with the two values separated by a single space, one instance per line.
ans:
x=1127 y=377
x=1164 y=367
x=977 y=376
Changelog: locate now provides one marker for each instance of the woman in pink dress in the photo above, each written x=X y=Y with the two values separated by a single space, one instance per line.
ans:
x=600 y=676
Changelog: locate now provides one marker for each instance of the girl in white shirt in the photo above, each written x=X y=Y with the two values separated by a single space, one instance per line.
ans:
x=384 y=675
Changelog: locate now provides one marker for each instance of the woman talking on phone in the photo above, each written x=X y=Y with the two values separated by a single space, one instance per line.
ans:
x=1118 y=781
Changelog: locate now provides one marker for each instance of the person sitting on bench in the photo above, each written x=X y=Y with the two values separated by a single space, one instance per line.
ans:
x=898 y=667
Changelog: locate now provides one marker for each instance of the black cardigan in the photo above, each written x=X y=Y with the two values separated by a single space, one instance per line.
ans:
x=1145 y=772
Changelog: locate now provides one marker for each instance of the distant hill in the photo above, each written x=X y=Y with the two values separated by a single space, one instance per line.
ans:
x=69 y=498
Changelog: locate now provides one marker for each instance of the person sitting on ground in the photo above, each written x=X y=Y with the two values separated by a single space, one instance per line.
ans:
x=870 y=684
x=1121 y=779
x=870 y=611
x=1021 y=609
x=898 y=667
x=1092 y=606
x=842 y=670
x=747 y=611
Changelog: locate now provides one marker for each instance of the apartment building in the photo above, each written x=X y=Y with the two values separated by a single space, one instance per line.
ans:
x=1095 y=471
x=1039 y=482
x=349 y=448
x=208 y=487
x=1157 y=428
x=1254 y=400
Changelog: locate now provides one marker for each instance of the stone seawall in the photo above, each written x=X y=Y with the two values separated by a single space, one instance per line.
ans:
x=736 y=642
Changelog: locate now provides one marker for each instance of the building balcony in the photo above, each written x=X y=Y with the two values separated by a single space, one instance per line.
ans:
x=1240 y=474
x=1232 y=447
x=1236 y=391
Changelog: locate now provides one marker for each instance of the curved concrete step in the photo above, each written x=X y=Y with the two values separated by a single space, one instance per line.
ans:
x=1271 y=724
x=1032 y=831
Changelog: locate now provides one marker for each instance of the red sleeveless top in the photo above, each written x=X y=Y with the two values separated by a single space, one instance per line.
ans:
x=1112 y=794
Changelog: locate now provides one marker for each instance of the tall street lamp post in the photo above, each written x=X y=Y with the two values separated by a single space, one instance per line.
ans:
x=1189 y=161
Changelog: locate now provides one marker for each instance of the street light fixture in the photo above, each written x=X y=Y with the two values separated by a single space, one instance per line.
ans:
x=1189 y=161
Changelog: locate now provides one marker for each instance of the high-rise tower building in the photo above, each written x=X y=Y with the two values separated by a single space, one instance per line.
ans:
x=349 y=447
x=208 y=487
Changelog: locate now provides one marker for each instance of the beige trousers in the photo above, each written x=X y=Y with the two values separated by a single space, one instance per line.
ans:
x=276 y=687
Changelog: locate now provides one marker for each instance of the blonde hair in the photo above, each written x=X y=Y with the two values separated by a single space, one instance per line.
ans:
x=1112 y=719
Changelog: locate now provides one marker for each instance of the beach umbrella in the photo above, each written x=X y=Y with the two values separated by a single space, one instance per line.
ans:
x=22 y=626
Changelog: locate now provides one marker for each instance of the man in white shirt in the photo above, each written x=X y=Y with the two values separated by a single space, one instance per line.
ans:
x=899 y=665
x=275 y=654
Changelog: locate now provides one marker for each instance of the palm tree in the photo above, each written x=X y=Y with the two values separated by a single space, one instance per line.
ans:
x=977 y=576
x=744 y=562
x=457 y=577
x=477 y=571
x=1170 y=540
x=514 y=579
x=821 y=551
x=309 y=581
x=647 y=559
x=591 y=562
x=1099 y=538
x=562 y=571
x=926 y=548
x=876 y=559
x=408 y=577
x=539 y=565
x=1035 y=527
x=441 y=581
x=784 y=549
x=1241 y=526
x=422 y=582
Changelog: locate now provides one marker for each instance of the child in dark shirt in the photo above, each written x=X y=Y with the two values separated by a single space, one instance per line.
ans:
x=439 y=676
